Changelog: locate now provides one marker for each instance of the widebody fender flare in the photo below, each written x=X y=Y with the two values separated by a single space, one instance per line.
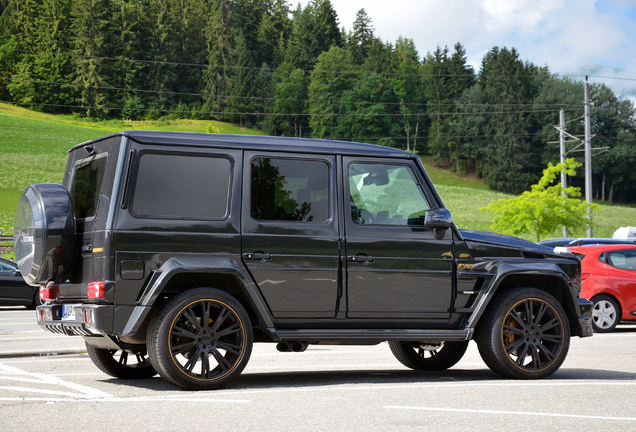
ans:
x=200 y=265
x=498 y=271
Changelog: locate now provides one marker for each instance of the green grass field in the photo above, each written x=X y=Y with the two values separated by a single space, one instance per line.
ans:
x=33 y=149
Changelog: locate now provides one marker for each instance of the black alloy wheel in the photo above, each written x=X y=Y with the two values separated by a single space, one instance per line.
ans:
x=201 y=339
x=524 y=335
x=428 y=356
x=120 y=363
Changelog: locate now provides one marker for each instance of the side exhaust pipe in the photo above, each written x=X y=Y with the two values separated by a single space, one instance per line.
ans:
x=291 y=346
x=283 y=347
x=298 y=346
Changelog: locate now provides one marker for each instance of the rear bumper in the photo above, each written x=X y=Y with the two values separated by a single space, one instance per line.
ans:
x=89 y=320
x=585 y=320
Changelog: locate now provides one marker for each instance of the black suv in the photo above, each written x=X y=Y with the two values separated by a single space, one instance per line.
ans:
x=174 y=252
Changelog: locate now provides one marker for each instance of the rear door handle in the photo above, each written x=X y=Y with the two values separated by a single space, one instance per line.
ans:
x=257 y=256
x=361 y=259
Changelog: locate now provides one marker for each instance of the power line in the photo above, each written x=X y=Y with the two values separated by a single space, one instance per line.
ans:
x=304 y=70
x=292 y=100
x=285 y=114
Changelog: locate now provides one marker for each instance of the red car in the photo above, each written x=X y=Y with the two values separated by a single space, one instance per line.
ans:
x=609 y=281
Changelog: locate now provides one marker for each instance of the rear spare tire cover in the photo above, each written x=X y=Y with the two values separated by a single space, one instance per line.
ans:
x=44 y=233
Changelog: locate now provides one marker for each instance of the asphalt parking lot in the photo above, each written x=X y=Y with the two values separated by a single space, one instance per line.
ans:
x=47 y=382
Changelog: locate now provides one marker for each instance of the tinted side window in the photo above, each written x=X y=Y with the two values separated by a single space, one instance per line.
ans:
x=87 y=185
x=290 y=190
x=178 y=186
x=385 y=195
x=624 y=259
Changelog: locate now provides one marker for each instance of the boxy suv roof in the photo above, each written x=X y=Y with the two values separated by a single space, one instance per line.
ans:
x=181 y=250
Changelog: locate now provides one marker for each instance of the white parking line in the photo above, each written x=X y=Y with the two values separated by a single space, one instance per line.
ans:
x=126 y=400
x=19 y=323
x=515 y=413
x=27 y=338
x=15 y=374
x=49 y=358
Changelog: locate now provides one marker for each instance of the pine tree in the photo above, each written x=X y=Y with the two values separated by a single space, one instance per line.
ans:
x=89 y=32
x=438 y=99
x=361 y=37
x=508 y=159
x=219 y=49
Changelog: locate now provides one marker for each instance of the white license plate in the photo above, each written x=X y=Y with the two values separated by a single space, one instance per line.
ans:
x=68 y=312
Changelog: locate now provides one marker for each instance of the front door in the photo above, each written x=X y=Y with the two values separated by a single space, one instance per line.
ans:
x=290 y=232
x=396 y=268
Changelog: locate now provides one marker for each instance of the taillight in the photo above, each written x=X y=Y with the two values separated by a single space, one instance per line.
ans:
x=585 y=276
x=49 y=292
x=95 y=290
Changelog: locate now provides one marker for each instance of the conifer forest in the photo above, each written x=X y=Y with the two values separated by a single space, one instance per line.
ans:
x=295 y=71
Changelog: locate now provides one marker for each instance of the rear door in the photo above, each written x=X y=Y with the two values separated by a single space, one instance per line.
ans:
x=621 y=270
x=395 y=267
x=290 y=232
x=89 y=178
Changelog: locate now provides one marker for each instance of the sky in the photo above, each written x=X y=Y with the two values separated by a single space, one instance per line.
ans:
x=595 y=37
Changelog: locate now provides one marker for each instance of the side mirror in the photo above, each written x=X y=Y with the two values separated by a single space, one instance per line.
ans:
x=438 y=218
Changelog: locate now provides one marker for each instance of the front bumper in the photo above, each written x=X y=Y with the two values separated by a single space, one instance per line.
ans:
x=585 y=320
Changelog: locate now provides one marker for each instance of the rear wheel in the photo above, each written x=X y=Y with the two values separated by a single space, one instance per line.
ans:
x=429 y=356
x=36 y=300
x=525 y=334
x=201 y=339
x=606 y=314
x=121 y=364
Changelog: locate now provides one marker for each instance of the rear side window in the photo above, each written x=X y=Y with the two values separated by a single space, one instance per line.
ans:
x=290 y=190
x=182 y=187
x=87 y=185
x=623 y=259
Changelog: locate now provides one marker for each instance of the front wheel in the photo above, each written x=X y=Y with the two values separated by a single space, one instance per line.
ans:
x=428 y=356
x=201 y=339
x=524 y=335
x=121 y=364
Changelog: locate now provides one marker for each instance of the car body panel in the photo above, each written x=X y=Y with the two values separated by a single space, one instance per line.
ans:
x=608 y=279
x=13 y=289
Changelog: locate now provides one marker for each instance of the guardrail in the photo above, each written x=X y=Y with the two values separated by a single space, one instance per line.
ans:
x=6 y=238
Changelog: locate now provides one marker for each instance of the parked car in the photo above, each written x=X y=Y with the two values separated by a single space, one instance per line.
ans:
x=572 y=242
x=14 y=291
x=172 y=253
x=609 y=280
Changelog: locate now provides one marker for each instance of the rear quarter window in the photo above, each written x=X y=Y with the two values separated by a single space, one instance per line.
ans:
x=182 y=186
x=86 y=185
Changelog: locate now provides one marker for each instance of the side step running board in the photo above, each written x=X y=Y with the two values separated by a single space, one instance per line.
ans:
x=352 y=335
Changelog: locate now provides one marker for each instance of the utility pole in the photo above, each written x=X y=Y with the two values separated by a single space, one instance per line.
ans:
x=564 y=178
x=588 y=160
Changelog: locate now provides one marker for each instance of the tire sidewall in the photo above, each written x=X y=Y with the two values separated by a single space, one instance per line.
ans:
x=158 y=339
x=490 y=338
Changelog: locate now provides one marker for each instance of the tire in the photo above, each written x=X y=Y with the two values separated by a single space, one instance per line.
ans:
x=606 y=314
x=116 y=363
x=428 y=356
x=36 y=301
x=44 y=234
x=525 y=334
x=200 y=340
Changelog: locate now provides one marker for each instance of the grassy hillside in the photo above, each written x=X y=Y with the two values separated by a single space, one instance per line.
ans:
x=33 y=150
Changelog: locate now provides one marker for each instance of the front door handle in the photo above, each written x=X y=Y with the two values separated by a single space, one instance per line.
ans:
x=362 y=259
x=257 y=256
